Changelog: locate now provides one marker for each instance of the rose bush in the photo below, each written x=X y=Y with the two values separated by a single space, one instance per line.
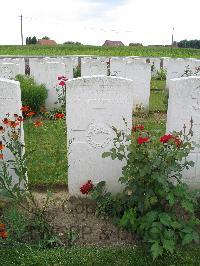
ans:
x=155 y=203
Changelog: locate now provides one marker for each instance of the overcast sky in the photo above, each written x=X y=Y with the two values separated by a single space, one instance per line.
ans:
x=94 y=21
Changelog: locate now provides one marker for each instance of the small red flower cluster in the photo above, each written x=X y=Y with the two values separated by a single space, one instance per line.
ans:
x=38 y=123
x=59 y=116
x=137 y=128
x=27 y=111
x=142 y=140
x=63 y=80
x=3 y=233
x=13 y=123
x=85 y=189
x=168 y=137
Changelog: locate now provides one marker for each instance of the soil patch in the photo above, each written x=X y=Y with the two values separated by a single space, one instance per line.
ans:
x=77 y=215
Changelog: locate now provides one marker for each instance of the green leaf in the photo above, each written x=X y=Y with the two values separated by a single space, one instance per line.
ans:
x=187 y=205
x=121 y=148
x=120 y=156
x=113 y=156
x=151 y=216
x=106 y=154
x=169 y=245
x=129 y=219
x=165 y=219
x=157 y=250
x=171 y=199
x=187 y=239
x=176 y=225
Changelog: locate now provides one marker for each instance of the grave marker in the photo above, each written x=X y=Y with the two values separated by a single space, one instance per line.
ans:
x=94 y=105
x=93 y=66
x=10 y=103
x=184 y=104
x=137 y=71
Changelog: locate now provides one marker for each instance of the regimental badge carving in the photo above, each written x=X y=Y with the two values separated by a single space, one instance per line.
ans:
x=6 y=72
x=98 y=136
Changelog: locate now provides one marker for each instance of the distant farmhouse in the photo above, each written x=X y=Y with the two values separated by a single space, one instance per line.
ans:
x=113 y=43
x=46 y=42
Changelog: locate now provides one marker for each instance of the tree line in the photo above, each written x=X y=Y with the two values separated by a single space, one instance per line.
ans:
x=189 y=44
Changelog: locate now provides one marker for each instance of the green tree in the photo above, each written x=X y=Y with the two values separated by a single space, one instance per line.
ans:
x=45 y=38
x=34 y=40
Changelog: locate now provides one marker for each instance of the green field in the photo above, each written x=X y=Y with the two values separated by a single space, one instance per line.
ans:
x=63 y=50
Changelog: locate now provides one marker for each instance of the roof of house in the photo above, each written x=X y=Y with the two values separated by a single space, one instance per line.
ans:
x=113 y=43
x=46 y=42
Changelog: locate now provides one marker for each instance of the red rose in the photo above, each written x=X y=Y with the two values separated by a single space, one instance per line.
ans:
x=85 y=189
x=142 y=140
x=62 y=83
x=176 y=140
x=166 y=138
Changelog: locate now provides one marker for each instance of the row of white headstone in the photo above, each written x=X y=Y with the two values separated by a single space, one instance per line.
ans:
x=46 y=70
x=97 y=65
x=96 y=104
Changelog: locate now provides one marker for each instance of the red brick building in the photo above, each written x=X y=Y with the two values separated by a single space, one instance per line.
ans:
x=113 y=43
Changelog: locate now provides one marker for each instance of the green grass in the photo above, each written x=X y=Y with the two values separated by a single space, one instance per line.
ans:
x=97 y=50
x=89 y=256
x=47 y=165
x=154 y=122
x=158 y=96
x=158 y=84
x=157 y=100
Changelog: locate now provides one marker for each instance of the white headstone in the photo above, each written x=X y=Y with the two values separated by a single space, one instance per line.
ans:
x=184 y=104
x=47 y=73
x=176 y=67
x=93 y=66
x=10 y=70
x=118 y=67
x=137 y=71
x=10 y=103
x=94 y=105
x=19 y=62
x=70 y=64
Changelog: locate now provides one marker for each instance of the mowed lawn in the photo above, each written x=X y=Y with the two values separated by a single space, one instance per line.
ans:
x=96 y=256
x=46 y=146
